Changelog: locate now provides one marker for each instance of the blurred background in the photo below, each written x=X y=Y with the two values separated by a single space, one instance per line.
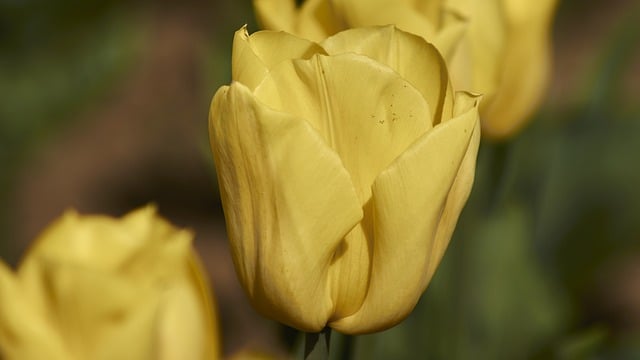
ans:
x=104 y=105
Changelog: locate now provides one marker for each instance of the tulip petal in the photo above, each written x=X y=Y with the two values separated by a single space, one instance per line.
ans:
x=105 y=304
x=364 y=110
x=314 y=19
x=465 y=105
x=77 y=240
x=253 y=55
x=101 y=314
x=181 y=328
x=275 y=14
x=281 y=186
x=369 y=115
x=450 y=34
x=432 y=9
x=207 y=304
x=363 y=13
x=524 y=73
x=317 y=20
x=476 y=65
x=25 y=333
x=409 y=199
x=399 y=50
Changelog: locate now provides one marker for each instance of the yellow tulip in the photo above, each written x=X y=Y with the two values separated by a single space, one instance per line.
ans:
x=343 y=167
x=93 y=287
x=499 y=48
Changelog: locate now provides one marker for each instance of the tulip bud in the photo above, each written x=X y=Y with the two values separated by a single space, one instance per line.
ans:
x=343 y=167
x=93 y=287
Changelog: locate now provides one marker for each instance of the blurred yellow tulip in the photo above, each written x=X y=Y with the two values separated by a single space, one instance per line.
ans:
x=343 y=167
x=93 y=287
x=499 y=48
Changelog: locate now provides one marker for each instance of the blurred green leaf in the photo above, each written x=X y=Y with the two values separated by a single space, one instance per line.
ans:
x=583 y=345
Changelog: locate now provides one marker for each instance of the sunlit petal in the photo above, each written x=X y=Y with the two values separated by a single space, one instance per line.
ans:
x=280 y=185
x=417 y=186
x=399 y=50
x=254 y=55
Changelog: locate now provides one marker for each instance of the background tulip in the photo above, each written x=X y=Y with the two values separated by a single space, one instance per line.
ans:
x=93 y=287
x=499 y=48
x=343 y=167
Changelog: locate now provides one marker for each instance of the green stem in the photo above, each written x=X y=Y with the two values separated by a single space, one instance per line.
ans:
x=347 y=347
x=316 y=345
